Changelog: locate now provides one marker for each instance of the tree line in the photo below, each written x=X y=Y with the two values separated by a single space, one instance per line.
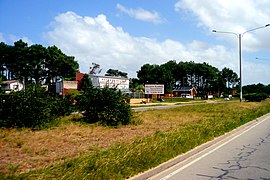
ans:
x=35 y=64
x=204 y=77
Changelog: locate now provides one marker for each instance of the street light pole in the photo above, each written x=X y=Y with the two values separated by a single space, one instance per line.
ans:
x=240 y=65
x=239 y=36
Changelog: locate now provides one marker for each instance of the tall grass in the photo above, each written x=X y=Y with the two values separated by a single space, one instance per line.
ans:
x=124 y=160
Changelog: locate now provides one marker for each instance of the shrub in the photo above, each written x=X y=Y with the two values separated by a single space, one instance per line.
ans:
x=60 y=106
x=25 y=109
x=32 y=108
x=257 y=97
x=105 y=105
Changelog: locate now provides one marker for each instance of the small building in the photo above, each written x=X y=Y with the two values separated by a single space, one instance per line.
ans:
x=187 y=92
x=111 y=81
x=11 y=86
x=120 y=83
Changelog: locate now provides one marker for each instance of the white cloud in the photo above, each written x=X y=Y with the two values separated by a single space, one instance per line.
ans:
x=141 y=14
x=2 y=39
x=94 y=39
x=254 y=73
x=234 y=16
x=10 y=39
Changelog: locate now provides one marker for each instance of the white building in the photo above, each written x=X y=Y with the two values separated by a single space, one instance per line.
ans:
x=11 y=85
x=110 y=81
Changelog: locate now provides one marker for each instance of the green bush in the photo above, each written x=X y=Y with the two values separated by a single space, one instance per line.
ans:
x=255 y=97
x=107 y=106
x=25 y=109
x=61 y=106
x=32 y=108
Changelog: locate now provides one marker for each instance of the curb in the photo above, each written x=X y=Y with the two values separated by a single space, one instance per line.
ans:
x=149 y=173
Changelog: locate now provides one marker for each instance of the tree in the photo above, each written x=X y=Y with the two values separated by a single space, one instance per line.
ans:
x=17 y=61
x=95 y=69
x=86 y=83
x=3 y=60
x=146 y=74
x=59 y=65
x=37 y=61
x=117 y=73
x=204 y=77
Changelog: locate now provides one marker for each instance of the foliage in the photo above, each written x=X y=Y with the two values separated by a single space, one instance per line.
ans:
x=107 y=106
x=61 y=106
x=204 y=77
x=256 y=88
x=95 y=69
x=32 y=108
x=124 y=160
x=35 y=63
x=85 y=83
x=255 y=97
x=117 y=73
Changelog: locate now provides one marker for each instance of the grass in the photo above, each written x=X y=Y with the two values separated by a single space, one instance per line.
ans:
x=118 y=153
x=177 y=100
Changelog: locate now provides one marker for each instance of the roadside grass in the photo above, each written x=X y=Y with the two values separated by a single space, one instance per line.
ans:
x=160 y=136
x=176 y=100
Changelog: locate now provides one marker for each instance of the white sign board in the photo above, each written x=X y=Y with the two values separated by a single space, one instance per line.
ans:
x=154 y=88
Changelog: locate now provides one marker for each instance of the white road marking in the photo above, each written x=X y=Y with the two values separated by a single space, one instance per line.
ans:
x=206 y=154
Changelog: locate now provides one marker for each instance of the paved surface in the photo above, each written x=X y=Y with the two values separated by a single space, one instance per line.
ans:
x=161 y=107
x=244 y=154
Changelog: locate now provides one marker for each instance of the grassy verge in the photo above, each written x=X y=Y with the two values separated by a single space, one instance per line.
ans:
x=182 y=129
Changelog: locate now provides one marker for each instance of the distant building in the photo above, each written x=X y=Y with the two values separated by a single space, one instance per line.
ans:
x=110 y=81
x=11 y=86
x=187 y=92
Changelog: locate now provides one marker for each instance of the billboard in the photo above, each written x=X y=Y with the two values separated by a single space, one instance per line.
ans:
x=154 y=88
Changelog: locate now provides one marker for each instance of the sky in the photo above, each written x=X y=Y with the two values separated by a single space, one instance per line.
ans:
x=125 y=35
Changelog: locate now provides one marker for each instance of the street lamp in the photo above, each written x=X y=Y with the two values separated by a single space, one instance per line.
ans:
x=239 y=36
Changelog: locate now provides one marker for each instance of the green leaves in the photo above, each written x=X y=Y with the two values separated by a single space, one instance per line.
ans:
x=107 y=106
x=32 y=108
x=35 y=63
x=117 y=73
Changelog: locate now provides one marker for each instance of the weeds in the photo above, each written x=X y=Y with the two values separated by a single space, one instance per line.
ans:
x=166 y=134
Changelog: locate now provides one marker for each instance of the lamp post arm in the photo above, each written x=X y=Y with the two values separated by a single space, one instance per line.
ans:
x=226 y=32
x=256 y=29
x=262 y=59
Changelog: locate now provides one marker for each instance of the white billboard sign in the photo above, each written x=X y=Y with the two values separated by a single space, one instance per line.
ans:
x=154 y=88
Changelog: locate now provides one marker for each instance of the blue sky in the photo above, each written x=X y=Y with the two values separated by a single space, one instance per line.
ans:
x=124 y=35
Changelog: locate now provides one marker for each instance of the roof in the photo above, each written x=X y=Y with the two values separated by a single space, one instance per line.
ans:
x=184 y=88
x=9 y=82
x=111 y=77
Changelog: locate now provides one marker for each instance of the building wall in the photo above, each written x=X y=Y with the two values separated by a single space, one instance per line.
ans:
x=112 y=82
x=102 y=81
x=70 y=84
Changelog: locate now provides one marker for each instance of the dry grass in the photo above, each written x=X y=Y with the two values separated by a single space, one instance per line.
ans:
x=22 y=150
x=27 y=149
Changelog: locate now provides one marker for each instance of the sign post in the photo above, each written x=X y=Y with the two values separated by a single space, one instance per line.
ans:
x=153 y=89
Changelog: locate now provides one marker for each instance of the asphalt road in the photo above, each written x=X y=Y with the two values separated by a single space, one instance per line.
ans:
x=160 y=107
x=243 y=155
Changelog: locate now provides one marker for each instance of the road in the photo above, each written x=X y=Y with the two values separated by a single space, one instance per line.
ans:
x=243 y=155
x=161 y=107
